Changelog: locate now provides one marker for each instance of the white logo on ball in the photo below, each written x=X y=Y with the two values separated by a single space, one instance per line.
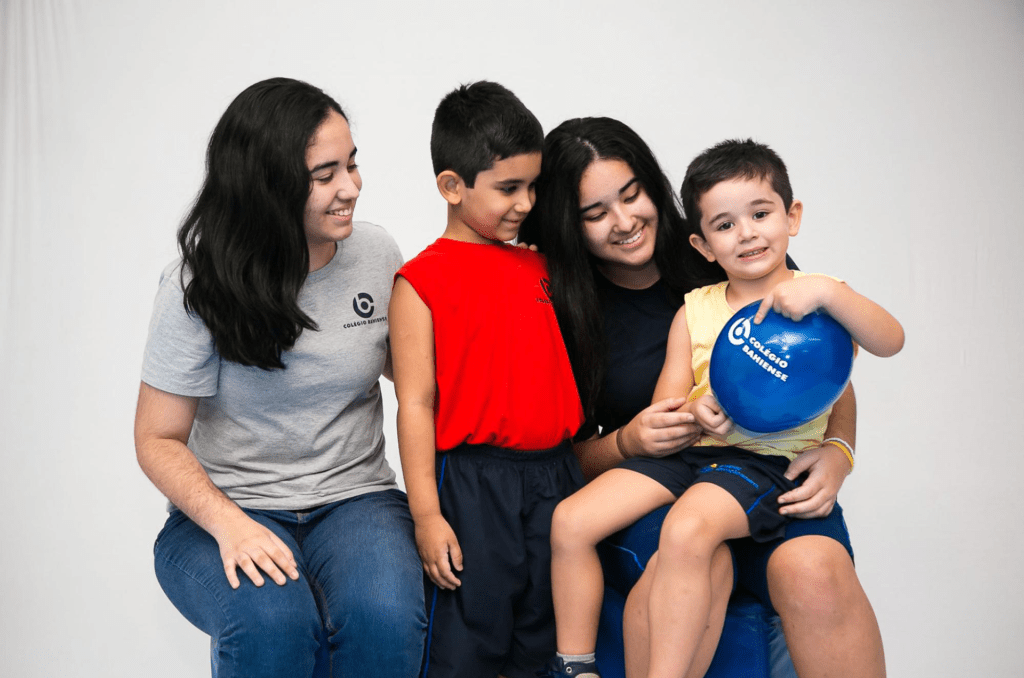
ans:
x=739 y=331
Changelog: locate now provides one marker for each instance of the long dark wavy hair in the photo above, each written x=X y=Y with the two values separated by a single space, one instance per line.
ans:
x=555 y=226
x=243 y=243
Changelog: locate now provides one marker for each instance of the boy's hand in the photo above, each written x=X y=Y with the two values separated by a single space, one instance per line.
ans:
x=797 y=297
x=710 y=416
x=440 y=551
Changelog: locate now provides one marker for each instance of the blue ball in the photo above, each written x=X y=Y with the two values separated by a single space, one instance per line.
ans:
x=779 y=374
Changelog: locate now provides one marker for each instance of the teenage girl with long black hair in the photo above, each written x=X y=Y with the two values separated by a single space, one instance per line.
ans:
x=259 y=412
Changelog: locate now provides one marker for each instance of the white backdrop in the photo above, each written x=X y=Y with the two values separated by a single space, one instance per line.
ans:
x=901 y=123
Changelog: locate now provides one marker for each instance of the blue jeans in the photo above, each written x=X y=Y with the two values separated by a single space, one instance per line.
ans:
x=360 y=591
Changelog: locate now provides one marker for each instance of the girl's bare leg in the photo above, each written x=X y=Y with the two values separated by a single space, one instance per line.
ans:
x=830 y=627
x=636 y=627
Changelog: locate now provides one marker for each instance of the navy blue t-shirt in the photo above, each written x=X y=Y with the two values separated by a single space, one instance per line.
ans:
x=636 y=324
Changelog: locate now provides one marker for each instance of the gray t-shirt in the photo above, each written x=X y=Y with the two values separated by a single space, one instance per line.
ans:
x=307 y=435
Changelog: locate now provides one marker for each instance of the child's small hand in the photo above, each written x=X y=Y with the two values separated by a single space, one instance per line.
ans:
x=797 y=297
x=710 y=416
x=532 y=248
x=440 y=551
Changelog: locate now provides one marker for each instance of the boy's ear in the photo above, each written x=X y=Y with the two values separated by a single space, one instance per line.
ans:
x=450 y=184
x=796 y=212
x=701 y=245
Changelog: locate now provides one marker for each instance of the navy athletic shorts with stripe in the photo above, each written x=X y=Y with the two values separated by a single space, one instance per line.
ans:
x=499 y=503
x=755 y=480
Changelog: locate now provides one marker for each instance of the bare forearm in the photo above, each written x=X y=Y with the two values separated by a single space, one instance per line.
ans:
x=842 y=422
x=598 y=455
x=870 y=325
x=416 y=450
x=163 y=422
x=176 y=472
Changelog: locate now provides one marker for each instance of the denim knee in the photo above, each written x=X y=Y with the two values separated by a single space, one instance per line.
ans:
x=369 y=579
x=255 y=631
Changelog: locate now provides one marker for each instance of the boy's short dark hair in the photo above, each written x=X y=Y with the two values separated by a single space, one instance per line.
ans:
x=732 y=159
x=477 y=123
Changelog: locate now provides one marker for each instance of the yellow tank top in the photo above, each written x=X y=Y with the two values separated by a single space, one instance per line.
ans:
x=707 y=312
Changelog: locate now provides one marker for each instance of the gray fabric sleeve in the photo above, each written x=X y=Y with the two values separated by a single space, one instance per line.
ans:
x=180 y=356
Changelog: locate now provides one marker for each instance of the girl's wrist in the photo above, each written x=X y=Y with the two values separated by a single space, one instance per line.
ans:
x=620 y=444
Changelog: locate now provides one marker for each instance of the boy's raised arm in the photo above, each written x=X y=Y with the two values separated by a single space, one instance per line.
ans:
x=870 y=325
x=412 y=354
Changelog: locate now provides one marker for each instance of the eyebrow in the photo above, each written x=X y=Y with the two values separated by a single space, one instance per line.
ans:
x=331 y=164
x=622 y=190
x=752 y=203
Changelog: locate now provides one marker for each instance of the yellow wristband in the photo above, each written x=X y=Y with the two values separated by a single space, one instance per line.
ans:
x=842 y=445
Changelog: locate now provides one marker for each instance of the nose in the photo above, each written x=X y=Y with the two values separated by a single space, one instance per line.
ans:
x=622 y=220
x=525 y=198
x=348 y=186
x=747 y=229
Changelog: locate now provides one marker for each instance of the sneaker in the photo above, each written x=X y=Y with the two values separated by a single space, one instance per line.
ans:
x=558 y=668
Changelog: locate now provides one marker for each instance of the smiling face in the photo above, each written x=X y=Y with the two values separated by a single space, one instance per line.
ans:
x=746 y=228
x=620 y=223
x=334 y=187
x=494 y=208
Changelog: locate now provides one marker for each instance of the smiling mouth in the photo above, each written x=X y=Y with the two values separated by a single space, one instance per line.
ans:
x=632 y=239
x=341 y=212
x=753 y=253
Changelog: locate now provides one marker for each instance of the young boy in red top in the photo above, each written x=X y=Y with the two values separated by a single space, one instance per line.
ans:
x=483 y=435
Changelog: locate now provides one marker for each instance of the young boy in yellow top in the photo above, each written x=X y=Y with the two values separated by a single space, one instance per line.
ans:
x=741 y=213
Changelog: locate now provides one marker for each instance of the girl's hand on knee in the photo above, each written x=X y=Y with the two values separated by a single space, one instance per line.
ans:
x=826 y=468
x=440 y=551
x=246 y=544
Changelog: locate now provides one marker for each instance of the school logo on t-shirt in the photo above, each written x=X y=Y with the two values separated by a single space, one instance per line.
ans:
x=545 y=285
x=364 y=307
x=362 y=304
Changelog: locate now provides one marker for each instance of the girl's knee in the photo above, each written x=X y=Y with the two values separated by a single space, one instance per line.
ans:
x=813 y=576
x=387 y=608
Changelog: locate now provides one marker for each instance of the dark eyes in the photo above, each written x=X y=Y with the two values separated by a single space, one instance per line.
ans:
x=761 y=214
x=329 y=176
x=631 y=198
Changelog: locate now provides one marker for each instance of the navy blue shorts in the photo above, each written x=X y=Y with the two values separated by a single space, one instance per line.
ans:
x=499 y=503
x=755 y=480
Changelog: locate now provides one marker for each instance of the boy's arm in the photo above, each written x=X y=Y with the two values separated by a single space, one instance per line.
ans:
x=676 y=380
x=870 y=325
x=411 y=329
